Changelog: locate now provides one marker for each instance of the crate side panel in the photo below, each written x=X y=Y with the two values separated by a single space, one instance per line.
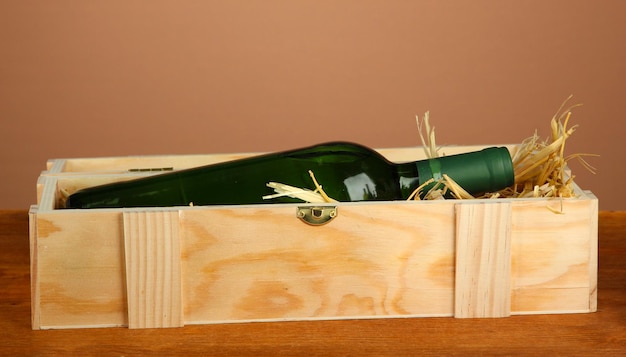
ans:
x=371 y=260
x=122 y=164
x=41 y=183
x=553 y=266
x=34 y=279
x=593 y=252
x=80 y=269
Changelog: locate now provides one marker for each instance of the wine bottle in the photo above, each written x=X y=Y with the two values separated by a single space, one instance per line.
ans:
x=347 y=171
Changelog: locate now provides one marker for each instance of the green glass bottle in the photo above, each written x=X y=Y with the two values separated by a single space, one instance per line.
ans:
x=347 y=171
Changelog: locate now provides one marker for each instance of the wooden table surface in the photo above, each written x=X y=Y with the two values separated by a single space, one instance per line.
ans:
x=602 y=333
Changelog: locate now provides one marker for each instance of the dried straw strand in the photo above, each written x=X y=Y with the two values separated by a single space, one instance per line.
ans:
x=428 y=142
x=316 y=196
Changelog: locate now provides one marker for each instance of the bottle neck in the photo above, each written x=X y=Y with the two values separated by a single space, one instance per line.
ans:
x=487 y=170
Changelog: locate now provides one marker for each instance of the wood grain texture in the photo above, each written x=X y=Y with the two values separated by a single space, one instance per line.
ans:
x=372 y=260
x=153 y=269
x=554 y=256
x=601 y=333
x=79 y=278
x=483 y=260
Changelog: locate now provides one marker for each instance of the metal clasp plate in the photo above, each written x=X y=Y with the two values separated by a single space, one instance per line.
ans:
x=316 y=215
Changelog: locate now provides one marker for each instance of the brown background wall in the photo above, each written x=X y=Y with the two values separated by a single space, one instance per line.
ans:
x=107 y=78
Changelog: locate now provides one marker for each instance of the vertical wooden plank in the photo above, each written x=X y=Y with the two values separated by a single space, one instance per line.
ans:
x=35 y=310
x=593 y=253
x=153 y=269
x=483 y=260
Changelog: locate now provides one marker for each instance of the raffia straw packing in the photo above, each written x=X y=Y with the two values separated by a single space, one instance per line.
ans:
x=540 y=167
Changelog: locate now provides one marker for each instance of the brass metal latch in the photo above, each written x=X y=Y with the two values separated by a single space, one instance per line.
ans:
x=316 y=215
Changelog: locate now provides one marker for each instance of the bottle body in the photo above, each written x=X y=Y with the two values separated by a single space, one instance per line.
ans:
x=348 y=172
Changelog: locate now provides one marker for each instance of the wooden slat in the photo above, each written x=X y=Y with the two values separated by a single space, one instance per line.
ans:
x=34 y=280
x=483 y=260
x=593 y=254
x=153 y=269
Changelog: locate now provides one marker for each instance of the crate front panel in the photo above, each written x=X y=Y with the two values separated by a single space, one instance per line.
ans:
x=554 y=255
x=371 y=260
x=80 y=279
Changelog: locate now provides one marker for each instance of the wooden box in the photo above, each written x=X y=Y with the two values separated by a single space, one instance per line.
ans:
x=168 y=267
